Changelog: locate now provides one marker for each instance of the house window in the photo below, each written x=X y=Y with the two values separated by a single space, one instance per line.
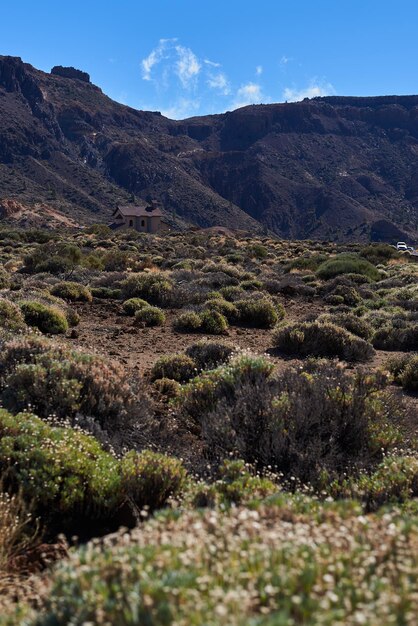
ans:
x=142 y=222
x=131 y=222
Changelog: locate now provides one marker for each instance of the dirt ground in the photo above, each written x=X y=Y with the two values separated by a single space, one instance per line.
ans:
x=105 y=329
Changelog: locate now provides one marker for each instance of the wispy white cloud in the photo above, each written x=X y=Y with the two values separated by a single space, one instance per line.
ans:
x=187 y=66
x=314 y=89
x=155 y=57
x=251 y=93
x=211 y=63
x=175 y=69
x=220 y=83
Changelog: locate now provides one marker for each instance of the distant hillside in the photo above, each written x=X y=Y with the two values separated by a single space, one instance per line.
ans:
x=336 y=168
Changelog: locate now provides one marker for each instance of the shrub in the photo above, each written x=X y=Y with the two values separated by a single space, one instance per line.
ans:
x=53 y=257
x=209 y=354
x=379 y=253
x=227 y=309
x=47 y=319
x=150 y=316
x=64 y=475
x=72 y=484
x=53 y=379
x=4 y=279
x=321 y=339
x=189 y=321
x=213 y=323
x=258 y=251
x=106 y=292
x=150 y=479
x=179 y=367
x=258 y=313
x=311 y=262
x=236 y=485
x=11 y=317
x=263 y=567
x=343 y=294
x=133 y=305
x=73 y=292
x=350 y=322
x=395 y=480
x=390 y=337
x=167 y=387
x=15 y=537
x=405 y=371
x=202 y=395
x=300 y=422
x=155 y=287
x=231 y=292
x=347 y=264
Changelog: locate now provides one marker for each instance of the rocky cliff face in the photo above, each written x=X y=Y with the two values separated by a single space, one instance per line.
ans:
x=340 y=168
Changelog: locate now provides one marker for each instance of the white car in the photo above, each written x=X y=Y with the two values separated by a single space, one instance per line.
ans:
x=401 y=246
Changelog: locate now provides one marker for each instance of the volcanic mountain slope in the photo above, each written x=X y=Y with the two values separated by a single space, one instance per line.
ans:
x=338 y=168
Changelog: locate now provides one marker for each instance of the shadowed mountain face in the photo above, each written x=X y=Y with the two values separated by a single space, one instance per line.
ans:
x=337 y=168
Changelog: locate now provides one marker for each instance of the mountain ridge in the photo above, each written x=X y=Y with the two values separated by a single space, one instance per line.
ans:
x=336 y=167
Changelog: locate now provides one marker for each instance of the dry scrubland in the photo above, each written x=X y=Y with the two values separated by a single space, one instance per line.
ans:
x=226 y=424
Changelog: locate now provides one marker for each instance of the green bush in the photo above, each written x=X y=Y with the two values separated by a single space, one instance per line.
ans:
x=232 y=292
x=321 y=339
x=4 y=278
x=405 y=371
x=150 y=316
x=154 y=287
x=378 y=253
x=236 y=485
x=202 y=394
x=311 y=262
x=150 y=479
x=299 y=422
x=259 y=313
x=227 y=309
x=265 y=567
x=347 y=264
x=209 y=354
x=213 y=323
x=395 y=480
x=48 y=319
x=350 y=322
x=73 y=292
x=106 y=293
x=11 y=317
x=133 y=305
x=343 y=294
x=53 y=257
x=72 y=484
x=189 y=321
x=53 y=379
x=167 y=387
x=391 y=337
x=64 y=475
x=179 y=367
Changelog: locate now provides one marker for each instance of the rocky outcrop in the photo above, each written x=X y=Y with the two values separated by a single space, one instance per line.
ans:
x=70 y=72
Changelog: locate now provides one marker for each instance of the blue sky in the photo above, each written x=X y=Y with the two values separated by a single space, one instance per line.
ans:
x=193 y=57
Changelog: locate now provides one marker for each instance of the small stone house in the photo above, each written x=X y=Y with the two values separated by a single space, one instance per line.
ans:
x=143 y=218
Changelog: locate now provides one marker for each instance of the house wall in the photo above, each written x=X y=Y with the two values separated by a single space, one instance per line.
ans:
x=154 y=223
x=141 y=224
x=146 y=224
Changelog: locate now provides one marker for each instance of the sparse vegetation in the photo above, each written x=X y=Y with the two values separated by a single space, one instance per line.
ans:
x=289 y=482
